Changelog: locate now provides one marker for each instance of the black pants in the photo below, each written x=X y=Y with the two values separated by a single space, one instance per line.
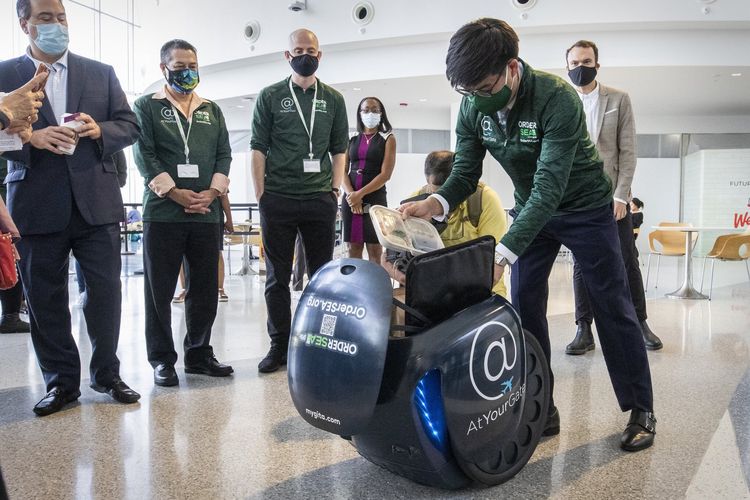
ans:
x=44 y=271
x=11 y=299
x=592 y=237
x=280 y=220
x=632 y=268
x=164 y=245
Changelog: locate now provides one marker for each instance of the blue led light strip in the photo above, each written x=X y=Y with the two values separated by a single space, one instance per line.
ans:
x=428 y=401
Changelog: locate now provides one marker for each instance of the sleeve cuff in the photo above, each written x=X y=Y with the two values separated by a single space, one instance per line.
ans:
x=503 y=250
x=220 y=183
x=620 y=200
x=161 y=184
x=444 y=204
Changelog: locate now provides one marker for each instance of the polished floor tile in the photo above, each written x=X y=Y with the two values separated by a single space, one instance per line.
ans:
x=240 y=437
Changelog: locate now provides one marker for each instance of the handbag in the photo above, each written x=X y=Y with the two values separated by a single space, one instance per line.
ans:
x=8 y=271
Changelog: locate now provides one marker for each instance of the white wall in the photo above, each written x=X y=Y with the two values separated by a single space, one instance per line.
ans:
x=717 y=191
x=408 y=176
x=666 y=124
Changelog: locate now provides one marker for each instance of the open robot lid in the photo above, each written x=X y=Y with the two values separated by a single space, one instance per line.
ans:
x=413 y=235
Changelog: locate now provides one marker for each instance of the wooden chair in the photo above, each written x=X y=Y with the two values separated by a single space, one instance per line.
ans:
x=667 y=243
x=727 y=247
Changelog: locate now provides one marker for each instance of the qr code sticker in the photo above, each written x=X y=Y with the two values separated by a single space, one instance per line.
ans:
x=328 y=326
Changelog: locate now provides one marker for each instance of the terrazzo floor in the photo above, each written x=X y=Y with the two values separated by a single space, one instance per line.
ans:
x=241 y=437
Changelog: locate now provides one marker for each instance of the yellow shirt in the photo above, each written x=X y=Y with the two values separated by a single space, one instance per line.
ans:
x=492 y=221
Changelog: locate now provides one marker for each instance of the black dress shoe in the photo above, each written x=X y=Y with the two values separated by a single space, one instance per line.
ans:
x=55 y=400
x=583 y=342
x=210 y=367
x=639 y=434
x=12 y=323
x=552 y=427
x=119 y=391
x=275 y=359
x=165 y=376
x=653 y=343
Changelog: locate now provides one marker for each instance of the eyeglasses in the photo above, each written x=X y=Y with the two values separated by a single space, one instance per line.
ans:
x=479 y=93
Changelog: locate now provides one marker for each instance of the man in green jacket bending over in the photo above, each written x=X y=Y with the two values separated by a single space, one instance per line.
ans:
x=534 y=125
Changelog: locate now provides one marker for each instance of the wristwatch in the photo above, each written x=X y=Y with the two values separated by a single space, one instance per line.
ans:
x=501 y=260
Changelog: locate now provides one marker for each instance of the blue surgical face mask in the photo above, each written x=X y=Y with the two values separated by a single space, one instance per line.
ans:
x=51 y=38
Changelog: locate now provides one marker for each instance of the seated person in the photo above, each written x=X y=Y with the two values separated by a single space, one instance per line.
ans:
x=134 y=216
x=479 y=215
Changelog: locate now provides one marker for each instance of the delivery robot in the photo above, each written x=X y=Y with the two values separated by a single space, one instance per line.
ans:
x=458 y=395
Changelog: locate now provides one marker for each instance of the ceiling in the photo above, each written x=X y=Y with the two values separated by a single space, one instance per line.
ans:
x=672 y=91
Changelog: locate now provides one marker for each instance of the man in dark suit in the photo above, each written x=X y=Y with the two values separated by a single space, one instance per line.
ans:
x=63 y=202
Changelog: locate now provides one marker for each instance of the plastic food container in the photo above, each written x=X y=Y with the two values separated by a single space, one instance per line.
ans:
x=413 y=235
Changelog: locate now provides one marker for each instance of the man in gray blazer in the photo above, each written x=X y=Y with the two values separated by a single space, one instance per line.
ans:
x=611 y=126
x=65 y=199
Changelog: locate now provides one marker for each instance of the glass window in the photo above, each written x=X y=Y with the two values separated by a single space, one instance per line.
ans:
x=427 y=141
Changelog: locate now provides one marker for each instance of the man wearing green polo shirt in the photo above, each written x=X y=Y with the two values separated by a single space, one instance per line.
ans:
x=534 y=125
x=300 y=134
x=184 y=155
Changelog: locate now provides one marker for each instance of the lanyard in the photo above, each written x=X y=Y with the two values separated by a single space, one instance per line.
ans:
x=302 y=117
x=182 y=131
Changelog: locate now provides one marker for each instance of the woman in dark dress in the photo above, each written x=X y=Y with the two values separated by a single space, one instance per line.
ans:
x=371 y=157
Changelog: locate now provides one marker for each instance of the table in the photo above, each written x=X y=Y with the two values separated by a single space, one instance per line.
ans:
x=686 y=291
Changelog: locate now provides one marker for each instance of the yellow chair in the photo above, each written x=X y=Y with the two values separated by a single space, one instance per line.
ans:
x=727 y=247
x=667 y=243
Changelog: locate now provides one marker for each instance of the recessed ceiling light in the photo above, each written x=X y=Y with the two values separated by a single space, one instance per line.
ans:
x=356 y=88
x=736 y=74
x=423 y=100
x=240 y=106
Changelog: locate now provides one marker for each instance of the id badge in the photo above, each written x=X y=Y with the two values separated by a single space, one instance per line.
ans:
x=187 y=171
x=311 y=166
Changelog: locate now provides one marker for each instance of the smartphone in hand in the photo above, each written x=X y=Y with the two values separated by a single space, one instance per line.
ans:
x=42 y=80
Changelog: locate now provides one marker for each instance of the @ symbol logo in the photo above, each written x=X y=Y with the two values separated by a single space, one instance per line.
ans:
x=287 y=103
x=486 y=124
x=485 y=374
x=167 y=113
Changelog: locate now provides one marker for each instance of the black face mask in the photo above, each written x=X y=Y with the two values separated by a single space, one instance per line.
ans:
x=304 y=64
x=582 y=75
